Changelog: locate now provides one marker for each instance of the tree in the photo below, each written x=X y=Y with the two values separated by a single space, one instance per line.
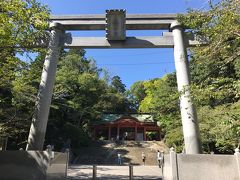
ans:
x=215 y=75
x=117 y=95
x=136 y=94
x=161 y=96
x=22 y=23
x=161 y=100
x=223 y=119
x=117 y=84
x=215 y=70
x=79 y=98
x=215 y=67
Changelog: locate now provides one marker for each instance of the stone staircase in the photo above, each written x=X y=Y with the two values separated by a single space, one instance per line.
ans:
x=105 y=152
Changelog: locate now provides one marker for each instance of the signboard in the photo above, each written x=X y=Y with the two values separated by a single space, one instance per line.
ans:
x=116 y=24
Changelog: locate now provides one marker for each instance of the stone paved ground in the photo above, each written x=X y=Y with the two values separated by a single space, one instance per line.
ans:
x=114 y=172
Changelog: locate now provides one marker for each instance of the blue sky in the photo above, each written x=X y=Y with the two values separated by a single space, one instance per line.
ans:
x=130 y=64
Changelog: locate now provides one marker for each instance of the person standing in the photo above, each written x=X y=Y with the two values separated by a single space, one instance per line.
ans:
x=119 y=159
x=143 y=158
x=160 y=158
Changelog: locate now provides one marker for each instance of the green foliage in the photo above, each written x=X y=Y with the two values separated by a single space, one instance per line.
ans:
x=77 y=135
x=215 y=73
x=136 y=94
x=224 y=119
x=117 y=84
x=174 y=137
x=161 y=97
x=215 y=67
x=17 y=114
x=80 y=96
x=22 y=22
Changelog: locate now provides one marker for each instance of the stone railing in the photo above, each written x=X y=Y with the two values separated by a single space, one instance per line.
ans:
x=33 y=165
x=201 y=166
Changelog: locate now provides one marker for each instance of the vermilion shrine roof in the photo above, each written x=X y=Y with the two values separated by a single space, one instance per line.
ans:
x=111 y=117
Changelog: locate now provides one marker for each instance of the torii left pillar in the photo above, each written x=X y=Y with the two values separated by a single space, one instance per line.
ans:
x=40 y=118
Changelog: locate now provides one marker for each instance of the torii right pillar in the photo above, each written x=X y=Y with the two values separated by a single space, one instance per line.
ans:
x=188 y=113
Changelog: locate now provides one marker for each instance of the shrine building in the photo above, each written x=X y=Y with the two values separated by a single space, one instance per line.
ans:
x=132 y=127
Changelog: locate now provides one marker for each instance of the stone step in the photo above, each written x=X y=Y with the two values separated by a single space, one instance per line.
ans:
x=105 y=153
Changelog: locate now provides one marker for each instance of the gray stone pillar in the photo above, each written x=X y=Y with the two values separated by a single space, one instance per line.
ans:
x=173 y=164
x=188 y=113
x=40 y=118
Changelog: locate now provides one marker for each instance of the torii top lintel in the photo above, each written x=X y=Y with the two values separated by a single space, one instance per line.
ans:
x=98 y=21
x=116 y=22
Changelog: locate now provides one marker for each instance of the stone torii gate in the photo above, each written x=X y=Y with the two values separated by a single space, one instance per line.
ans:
x=116 y=22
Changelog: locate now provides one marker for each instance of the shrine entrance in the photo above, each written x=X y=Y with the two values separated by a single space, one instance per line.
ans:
x=116 y=23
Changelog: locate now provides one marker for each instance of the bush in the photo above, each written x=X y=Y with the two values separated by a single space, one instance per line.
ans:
x=77 y=136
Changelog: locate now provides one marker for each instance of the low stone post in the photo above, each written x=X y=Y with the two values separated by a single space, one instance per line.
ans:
x=236 y=151
x=237 y=154
x=5 y=144
x=130 y=172
x=67 y=151
x=173 y=164
x=94 y=177
x=49 y=151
